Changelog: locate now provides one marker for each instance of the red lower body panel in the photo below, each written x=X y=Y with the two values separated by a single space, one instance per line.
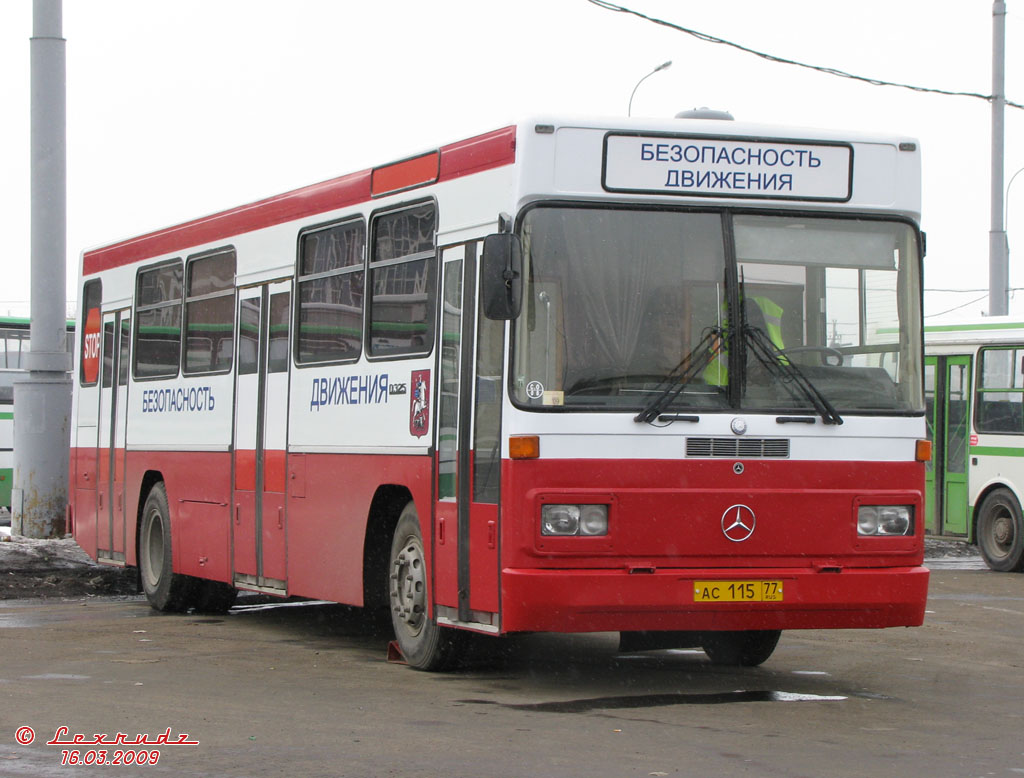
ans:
x=611 y=600
x=668 y=528
x=328 y=509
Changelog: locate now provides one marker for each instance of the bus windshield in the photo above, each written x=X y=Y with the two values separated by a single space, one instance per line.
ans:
x=622 y=304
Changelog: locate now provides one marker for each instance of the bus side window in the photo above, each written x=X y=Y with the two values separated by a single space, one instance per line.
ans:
x=158 y=321
x=1001 y=391
x=210 y=313
x=277 y=359
x=487 y=425
x=13 y=344
x=108 y=354
x=122 y=364
x=329 y=296
x=249 y=336
x=402 y=271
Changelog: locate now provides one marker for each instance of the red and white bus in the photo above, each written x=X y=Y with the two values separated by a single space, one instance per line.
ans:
x=655 y=377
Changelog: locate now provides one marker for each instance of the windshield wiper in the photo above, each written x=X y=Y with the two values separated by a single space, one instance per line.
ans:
x=691 y=366
x=786 y=373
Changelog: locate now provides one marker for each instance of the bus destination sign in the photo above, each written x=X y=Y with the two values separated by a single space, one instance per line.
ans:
x=727 y=167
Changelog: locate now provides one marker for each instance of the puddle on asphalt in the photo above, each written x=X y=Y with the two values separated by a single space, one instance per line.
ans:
x=56 y=677
x=660 y=700
x=671 y=651
x=27 y=613
x=276 y=606
x=956 y=563
x=38 y=617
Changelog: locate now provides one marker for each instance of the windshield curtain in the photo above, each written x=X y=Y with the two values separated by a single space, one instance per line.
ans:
x=615 y=299
x=621 y=303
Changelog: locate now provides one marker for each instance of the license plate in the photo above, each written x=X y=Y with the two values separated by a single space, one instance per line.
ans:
x=737 y=591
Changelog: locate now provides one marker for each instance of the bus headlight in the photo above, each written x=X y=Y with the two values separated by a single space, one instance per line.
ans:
x=885 y=520
x=566 y=520
x=593 y=519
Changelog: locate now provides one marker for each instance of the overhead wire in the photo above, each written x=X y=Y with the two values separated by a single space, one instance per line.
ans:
x=609 y=6
x=965 y=291
x=703 y=36
x=958 y=307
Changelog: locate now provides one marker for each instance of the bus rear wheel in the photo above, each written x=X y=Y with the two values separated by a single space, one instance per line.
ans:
x=165 y=589
x=424 y=643
x=741 y=649
x=212 y=596
x=1001 y=532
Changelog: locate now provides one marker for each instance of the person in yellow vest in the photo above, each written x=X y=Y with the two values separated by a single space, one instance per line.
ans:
x=764 y=312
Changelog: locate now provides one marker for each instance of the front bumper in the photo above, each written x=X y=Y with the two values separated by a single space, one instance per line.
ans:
x=545 y=600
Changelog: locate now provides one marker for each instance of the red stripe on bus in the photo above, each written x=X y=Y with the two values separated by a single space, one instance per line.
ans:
x=245 y=469
x=336 y=193
x=406 y=174
x=274 y=471
x=474 y=155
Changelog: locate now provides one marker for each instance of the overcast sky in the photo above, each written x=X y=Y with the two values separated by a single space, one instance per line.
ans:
x=180 y=108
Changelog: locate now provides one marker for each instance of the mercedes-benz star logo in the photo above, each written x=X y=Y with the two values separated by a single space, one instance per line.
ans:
x=738 y=523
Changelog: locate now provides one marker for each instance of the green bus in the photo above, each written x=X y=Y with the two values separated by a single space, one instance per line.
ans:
x=974 y=395
x=14 y=346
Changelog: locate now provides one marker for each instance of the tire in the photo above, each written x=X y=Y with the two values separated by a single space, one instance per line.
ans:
x=1001 y=532
x=213 y=596
x=424 y=643
x=631 y=642
x=741 y=649
x=166 y=590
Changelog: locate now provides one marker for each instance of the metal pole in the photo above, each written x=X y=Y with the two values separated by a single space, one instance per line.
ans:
x=42 y=399
x=998 y=255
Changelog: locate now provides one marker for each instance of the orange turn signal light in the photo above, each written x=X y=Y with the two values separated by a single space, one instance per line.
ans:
x=524 y=447
x=923 y=452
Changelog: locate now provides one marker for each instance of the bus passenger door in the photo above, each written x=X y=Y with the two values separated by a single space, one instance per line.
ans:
x=466 y=512
x=110 y=526
x=947 y=402
x=87 y=519
x=261 y=401
x=956 y=435
x=931 y=414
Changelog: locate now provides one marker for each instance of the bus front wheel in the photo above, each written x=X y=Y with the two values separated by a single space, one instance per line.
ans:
x=743 y=649
x=425 y=644
x=165 y=589
x=1001 y=532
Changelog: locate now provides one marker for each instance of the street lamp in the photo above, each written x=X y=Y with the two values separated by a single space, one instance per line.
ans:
x=1006 y=197
x=662 y=66
x=1006 y=237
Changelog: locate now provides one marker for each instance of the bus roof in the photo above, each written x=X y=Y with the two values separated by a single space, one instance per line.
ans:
x=24 y=322
x=463 y=158
x=986 y=330
x=473 y=155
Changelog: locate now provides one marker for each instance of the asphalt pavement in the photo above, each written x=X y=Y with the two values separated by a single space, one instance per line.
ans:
x=305 y=689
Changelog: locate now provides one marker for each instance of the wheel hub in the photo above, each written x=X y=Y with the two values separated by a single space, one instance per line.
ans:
x=1002 y=532
x=408 y=586
x=153 y=551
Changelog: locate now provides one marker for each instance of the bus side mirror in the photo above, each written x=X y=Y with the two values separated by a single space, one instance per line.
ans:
x=502 y=276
